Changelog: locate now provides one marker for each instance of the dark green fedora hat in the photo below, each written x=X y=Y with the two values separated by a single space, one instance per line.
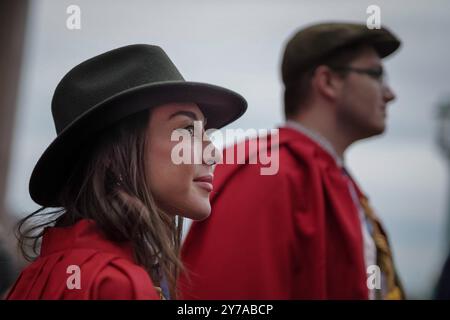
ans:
x=107 y=88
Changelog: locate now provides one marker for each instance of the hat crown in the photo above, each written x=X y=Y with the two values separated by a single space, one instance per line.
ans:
x=106 y=75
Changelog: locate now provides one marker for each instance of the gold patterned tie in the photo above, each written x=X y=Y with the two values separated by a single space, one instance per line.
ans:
x=160 y=293
x=384 y=255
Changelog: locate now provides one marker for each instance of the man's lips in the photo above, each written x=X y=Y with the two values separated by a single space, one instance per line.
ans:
x=205 y=182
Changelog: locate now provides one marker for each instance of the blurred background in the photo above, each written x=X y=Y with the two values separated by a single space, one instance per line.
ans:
x=238 y=44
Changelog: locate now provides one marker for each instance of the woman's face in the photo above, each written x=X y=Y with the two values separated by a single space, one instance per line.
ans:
x=183 y=188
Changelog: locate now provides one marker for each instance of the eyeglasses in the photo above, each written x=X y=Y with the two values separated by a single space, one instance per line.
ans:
x=376 y=73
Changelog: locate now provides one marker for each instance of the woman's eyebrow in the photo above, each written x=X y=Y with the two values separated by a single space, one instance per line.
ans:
x=189 y=114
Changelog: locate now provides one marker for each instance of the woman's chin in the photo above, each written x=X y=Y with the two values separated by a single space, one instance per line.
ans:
x=198 y=212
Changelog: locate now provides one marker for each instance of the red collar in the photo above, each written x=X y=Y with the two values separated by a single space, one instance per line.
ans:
x=302 y=143
x=295 y=140
x=298 y=143
x=84 y=234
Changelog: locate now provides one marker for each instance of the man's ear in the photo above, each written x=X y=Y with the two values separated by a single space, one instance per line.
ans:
x=326 y=82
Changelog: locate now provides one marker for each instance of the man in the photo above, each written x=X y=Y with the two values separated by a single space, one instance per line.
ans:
x=307 y=232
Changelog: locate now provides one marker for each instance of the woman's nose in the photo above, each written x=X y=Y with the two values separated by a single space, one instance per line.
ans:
x=211 y=155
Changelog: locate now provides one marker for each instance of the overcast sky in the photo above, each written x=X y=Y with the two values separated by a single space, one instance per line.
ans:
x=237 y=44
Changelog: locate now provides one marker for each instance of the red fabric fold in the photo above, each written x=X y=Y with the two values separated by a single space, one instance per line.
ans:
x=293 y=235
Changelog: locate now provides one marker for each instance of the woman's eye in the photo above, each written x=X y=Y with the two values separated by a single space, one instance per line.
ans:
x=190 y=129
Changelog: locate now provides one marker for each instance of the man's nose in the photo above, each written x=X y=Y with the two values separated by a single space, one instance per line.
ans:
x=388 y=94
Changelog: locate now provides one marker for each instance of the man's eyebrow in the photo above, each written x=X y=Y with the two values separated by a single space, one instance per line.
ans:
x=378 y=66
x=189 y=114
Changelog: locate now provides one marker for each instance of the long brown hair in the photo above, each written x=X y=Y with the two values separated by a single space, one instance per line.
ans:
x=109 y=186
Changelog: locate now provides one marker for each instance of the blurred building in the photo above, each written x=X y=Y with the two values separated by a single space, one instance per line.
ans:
x=13 y=16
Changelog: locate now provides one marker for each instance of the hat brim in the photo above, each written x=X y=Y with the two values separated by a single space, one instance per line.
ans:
x=382 y=40
x=219 y=105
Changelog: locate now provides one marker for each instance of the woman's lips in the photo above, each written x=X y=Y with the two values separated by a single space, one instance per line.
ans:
x=205 y=182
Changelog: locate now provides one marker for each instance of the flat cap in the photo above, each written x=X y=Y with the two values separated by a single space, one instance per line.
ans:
x=312 y=44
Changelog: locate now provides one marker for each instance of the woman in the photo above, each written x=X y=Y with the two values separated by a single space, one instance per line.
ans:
x=110 y=175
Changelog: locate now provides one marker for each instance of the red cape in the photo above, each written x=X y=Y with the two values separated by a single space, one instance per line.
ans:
x=293 y=235
x=107 y=269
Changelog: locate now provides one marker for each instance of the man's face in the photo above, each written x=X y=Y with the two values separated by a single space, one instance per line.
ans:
x=363 y=100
